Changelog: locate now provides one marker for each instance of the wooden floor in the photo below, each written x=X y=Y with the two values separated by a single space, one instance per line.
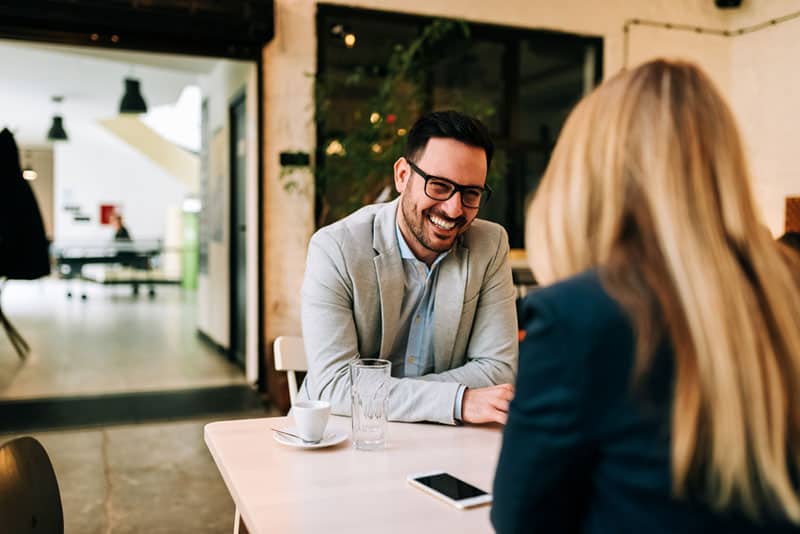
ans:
x=112 y=342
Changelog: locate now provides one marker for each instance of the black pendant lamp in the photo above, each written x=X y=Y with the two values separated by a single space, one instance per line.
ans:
x=132 y=101
x=57 y=131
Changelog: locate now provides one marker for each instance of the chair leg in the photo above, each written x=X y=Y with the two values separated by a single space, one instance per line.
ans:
x=239 y=526
x=19 y=343
x=292 y=382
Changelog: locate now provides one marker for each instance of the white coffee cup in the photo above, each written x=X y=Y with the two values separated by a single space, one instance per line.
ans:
x=311 y=418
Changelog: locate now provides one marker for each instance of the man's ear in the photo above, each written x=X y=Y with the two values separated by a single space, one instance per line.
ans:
x=402 y=173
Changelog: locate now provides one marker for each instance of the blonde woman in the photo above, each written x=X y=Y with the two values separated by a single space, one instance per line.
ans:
x=659 y=379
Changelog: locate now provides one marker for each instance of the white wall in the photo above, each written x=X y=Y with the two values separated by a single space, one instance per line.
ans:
x=766 y=99
x=758 y=74
x=94 y=167
x=224 y=83
x=40 y=159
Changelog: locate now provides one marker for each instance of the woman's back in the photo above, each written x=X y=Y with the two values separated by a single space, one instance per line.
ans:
x=584 y=450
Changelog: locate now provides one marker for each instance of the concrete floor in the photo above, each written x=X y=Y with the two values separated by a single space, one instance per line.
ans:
x=148 y=478
x=110 y=343
x=154 y=479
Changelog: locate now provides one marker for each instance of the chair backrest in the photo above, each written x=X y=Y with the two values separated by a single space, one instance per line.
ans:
x=290 y=356
x=30 y=502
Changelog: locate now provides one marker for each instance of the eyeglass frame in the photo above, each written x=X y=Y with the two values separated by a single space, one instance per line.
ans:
x=457 y=188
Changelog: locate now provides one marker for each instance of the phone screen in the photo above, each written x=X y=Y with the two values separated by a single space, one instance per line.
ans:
x=450 y=486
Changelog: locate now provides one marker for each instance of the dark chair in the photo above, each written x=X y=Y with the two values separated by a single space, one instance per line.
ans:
x=30 y=502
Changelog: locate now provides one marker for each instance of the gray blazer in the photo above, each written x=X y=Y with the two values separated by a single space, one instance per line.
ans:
x=351 y=298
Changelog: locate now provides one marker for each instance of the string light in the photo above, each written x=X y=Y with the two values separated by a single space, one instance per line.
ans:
x=696 y=29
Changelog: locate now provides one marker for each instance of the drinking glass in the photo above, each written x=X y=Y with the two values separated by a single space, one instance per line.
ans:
x=369 y=391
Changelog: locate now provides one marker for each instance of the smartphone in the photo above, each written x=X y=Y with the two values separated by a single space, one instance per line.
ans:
x=449 y=488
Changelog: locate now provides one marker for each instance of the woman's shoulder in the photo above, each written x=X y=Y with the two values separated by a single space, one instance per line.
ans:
x=580 y=302
x=578 y=347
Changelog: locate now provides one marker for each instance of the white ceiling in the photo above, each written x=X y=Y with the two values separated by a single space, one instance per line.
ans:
x=90 y=80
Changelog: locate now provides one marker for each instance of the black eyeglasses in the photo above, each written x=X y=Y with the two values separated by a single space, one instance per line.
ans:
x=438 y=188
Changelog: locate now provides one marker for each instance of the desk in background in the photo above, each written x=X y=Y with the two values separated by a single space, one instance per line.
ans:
x=130 y=263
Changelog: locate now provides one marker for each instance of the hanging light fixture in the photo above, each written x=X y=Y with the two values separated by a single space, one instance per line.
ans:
x=27 y=171
x=132 y=101
x=57 y=131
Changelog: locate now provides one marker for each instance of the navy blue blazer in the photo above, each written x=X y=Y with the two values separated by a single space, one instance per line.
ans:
x=583 y=451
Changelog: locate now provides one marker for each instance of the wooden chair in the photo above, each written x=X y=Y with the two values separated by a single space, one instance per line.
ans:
x=30 y=502
x=290 y=356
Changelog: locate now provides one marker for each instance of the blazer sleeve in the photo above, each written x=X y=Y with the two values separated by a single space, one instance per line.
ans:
x=543 y=475
x=329 y=332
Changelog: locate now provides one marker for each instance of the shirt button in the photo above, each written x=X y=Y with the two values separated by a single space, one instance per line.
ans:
x=418 y=318
x=411 y=359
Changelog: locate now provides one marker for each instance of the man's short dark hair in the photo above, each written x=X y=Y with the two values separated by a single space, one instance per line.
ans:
x=448 y=125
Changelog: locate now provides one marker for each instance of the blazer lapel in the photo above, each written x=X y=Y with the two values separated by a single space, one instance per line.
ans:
x=450 y=289
x=389 y=268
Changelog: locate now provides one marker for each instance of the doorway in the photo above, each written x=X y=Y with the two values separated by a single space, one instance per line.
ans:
x=230 y=42
x=238 y=150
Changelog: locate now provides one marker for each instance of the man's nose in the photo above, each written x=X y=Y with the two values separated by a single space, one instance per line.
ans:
x=453 y=207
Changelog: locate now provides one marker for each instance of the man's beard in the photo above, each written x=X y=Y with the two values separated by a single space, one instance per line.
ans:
x=417 y=225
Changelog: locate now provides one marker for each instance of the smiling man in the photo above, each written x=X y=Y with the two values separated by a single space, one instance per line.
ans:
x=420 y=282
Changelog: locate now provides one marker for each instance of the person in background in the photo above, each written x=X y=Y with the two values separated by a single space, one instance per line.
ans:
x=421 y=282
x=120 y=232
x=659 y=379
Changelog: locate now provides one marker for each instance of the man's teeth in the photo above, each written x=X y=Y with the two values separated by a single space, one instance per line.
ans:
x=441 y=223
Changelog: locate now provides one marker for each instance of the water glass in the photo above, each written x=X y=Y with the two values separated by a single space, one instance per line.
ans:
x=369 y=391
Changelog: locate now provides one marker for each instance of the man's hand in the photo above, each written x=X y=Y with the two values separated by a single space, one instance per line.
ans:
x=487 y=405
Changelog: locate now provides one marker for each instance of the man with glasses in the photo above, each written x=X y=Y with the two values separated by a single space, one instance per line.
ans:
x=420 y=282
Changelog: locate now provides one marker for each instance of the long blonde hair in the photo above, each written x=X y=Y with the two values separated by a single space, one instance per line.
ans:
x=649 y=183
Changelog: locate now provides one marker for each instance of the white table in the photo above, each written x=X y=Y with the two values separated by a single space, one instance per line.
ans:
x=281 y=489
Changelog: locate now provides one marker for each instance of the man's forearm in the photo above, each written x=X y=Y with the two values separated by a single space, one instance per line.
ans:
x=477 y=373
x=410 y=399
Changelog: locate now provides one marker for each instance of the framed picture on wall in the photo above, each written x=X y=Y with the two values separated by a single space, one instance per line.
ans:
x=106 y=211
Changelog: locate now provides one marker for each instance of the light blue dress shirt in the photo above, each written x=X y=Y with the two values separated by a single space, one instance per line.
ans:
x=412 y=352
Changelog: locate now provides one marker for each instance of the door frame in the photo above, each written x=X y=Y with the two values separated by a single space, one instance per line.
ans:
x=239 y=98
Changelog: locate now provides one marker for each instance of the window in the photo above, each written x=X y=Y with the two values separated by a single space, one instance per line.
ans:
x=531 y=79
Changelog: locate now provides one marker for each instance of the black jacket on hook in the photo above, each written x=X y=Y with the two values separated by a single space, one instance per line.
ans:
x=23 y=243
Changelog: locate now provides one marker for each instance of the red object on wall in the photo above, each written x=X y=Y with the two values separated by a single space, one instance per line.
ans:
x=106 y=211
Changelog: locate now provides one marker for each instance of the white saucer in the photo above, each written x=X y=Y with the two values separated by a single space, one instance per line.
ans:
x=331 y=438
